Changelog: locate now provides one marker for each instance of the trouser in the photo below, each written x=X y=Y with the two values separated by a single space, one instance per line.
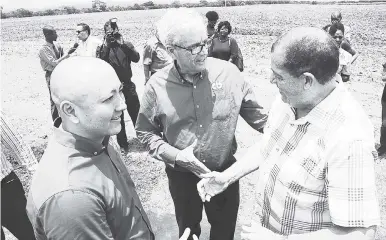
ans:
x=383 y=126
x=13 y=209
x=54 y=111
x=132 y=103
x=221 y=210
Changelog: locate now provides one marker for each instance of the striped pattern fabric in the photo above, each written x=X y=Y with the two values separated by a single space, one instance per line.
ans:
x=12 y=145
x=49 y=54
x=318 y=170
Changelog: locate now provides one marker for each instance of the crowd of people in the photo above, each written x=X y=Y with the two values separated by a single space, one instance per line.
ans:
x=316 y=156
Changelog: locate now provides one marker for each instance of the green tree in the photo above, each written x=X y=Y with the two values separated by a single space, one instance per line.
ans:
x=21 y=12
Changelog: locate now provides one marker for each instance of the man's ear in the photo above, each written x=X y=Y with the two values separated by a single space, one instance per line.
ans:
x=172 y=51
x=309 y=80
x=68 y=109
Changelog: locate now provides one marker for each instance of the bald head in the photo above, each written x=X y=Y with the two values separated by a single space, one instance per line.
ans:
x=307 y=50
x=80 y=79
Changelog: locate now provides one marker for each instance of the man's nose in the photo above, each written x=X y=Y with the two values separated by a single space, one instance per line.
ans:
x=273 y=80
x=122 y=103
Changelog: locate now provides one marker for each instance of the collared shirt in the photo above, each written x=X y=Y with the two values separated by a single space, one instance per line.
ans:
x=13 y=146
x=82 y=190
x=155 y=55
x=88 y=48
x=206 y=110
x=318 y=170
x=48 y=56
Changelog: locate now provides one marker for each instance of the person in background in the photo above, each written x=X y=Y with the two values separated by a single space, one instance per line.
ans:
x=347 y=55
x=13 y=202
x=50 y=55
x=155 y=57
x=188 y=117
x=382 y=141
x=87 y=45
x=336 y=17
x=316 y=158
x=223 y=46
x=120 y=53
x=82 y=189
x=212 y=18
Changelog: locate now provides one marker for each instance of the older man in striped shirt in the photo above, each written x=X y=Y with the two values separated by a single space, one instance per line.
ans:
x=13 y=201
x=51 y=54
x=316 y=157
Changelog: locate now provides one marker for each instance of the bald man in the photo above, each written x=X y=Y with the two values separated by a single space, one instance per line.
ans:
x=82 y=189
x=51 y=54
x=316 y=157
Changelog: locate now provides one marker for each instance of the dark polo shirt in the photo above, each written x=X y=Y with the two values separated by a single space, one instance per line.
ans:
x=82 y=190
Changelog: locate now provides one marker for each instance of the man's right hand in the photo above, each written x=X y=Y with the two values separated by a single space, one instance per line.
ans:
x=186 y=159
x=211 y=185
x=186 y=235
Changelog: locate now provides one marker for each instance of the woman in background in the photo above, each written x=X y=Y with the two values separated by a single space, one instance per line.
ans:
x=224 y=47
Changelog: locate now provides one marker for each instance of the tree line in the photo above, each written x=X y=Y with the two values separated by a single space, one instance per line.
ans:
x=21 y=12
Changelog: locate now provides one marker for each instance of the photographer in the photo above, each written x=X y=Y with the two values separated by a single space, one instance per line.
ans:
x=119 y=54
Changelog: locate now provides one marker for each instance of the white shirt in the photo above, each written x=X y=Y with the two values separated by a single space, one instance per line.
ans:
x=88 y=48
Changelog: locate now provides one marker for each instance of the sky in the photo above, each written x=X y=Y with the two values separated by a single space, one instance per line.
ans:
x=9 y=5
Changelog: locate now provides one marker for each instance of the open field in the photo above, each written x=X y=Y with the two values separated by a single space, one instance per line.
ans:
x=24 y=95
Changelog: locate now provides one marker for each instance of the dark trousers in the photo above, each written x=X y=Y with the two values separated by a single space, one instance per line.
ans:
x=54 y=111
x=383 y=126
x=132 y=103
x=221 y=210
x=13 y=213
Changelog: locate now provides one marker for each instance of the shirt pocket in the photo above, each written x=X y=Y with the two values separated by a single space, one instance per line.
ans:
x=305 y=169
x=223 y=105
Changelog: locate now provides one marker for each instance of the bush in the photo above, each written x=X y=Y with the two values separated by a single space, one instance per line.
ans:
x=21 y=13
x=71 y=10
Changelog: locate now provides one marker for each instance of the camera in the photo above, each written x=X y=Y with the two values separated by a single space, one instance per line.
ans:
x=112 y=31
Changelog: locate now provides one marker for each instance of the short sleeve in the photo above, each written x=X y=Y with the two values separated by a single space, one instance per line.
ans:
x=351 y=185
x=73 y=214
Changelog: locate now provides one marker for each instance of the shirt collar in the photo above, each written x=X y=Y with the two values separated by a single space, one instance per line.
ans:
x=79 y=143
x=178 y=75
x=322 y=113
x=49 y=44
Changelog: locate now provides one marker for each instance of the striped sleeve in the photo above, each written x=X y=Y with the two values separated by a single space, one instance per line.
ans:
x=48 y=56
x=14 y=143
x=351 y=185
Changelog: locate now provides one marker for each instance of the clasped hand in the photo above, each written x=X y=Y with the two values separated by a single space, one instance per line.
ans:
x=212 y=184
x=186 y=159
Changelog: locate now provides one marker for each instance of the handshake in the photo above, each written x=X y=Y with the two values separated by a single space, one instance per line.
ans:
x=212 y=183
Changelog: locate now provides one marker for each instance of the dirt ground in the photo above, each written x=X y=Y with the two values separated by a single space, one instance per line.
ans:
x=24 y=95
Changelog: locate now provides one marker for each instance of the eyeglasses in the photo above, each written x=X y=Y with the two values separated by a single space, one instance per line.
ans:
x=196 y=49
x=338 y=37
x=77 y=31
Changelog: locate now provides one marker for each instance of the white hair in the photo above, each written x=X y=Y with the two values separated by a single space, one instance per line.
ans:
x=176 y=23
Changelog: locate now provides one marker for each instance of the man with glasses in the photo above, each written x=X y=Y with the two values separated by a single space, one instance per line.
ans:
x=87 y=45
x=194 y=104
x=316 y=158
